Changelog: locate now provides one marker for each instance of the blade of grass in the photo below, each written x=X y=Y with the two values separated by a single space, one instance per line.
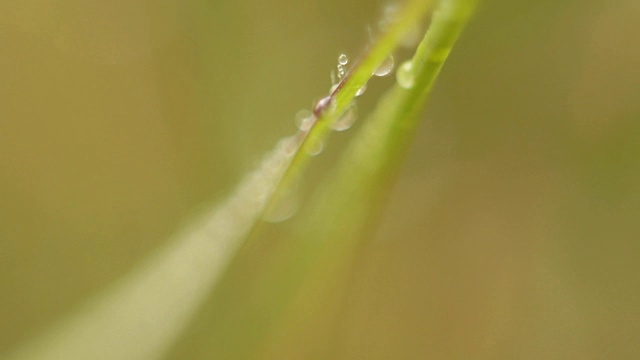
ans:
x=311 y=275
x=371 y=162
x=291 y=288
x=140 y=316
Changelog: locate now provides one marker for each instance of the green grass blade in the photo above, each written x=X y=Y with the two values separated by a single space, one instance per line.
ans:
x=308 y=276
x=343 y=210
x=291 y=292
x=369 y=164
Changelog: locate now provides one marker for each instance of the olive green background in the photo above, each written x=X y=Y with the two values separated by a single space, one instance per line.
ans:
x=512 y=231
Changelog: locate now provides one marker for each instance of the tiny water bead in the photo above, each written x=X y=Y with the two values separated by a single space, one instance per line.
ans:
x=405 y=75
x=342 y=71
x=343 y=59
x=361 y=91
x=385 y=67
x=346 y=120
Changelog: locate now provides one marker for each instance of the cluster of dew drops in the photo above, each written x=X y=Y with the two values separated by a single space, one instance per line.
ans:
x=305 y=120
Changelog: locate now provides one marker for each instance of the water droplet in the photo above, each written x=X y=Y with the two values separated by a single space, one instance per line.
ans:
x=314 y=146
x=343 y=59
x=304 y=120
x=346 y=120
x=322 y=105
x=341 y=71
x=385 y=68
x=405 y=75
x=361 y=91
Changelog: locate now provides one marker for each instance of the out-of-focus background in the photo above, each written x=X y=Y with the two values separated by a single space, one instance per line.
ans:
x=512 y=232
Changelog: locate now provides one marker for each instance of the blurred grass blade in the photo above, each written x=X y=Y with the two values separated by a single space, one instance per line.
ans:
x=140 y=316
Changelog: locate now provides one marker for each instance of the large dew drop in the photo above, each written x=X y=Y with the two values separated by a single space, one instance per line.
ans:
x=405 y=76
x=361 y=91
x=346 y=120
x=385 y=68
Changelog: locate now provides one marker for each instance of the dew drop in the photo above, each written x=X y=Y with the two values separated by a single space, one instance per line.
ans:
x=343 y=59
x=361 y=91
x=385 y=68
x=405 y=76
x=346 y=120
x=314 y=146
x=341 y=71
x=304 y=120
x=322 y=105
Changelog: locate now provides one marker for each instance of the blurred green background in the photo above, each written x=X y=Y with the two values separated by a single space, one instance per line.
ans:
x=513 y=229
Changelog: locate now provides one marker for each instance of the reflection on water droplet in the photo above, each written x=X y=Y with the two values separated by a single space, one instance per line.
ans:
x=322 y=105
x=304 y=120
x=405 y=75
x=385 y=68
x=314 y=146
x=343 y=59
x=361 y=91
x=346 y=120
